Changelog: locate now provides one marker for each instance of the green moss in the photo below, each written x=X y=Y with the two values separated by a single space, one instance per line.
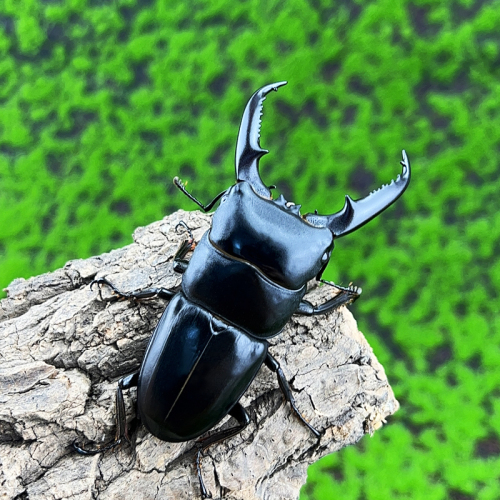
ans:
x=103 y=103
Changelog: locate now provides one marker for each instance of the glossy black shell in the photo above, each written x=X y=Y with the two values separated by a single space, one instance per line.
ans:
x=238 y=292
x=252 y=267
x=244 y=281
x=270 y=236
x=195 y=369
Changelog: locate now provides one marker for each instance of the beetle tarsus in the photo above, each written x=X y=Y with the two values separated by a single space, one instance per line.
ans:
x=346 y=296
x=273 y=364
x=103 y=281
x=95 y=451
x=353 y=289
x=148 y=293
x=241 y=416
x=186 y=227
x=204 y=492
x=120 y=418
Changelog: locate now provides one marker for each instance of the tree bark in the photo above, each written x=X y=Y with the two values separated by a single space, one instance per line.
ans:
x=62 y=349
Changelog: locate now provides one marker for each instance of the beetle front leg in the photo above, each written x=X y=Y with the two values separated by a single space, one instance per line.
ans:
x=275 y=367
x=346 y=296
x=181 y=264
x=237 y=412
x=120 y=416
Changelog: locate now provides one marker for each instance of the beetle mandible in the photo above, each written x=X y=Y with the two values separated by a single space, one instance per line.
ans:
x=245 y=279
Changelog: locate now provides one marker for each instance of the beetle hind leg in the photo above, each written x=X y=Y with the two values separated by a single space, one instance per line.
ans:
x=237 y=412
x=122 y=433
x=275 y=367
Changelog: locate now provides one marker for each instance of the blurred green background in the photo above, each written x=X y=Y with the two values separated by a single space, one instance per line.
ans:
x=102 y=103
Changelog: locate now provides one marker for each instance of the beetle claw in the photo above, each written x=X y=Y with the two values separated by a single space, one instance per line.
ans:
x=204 y=492
x=99 y=282
x=185 y=226
x=103 y=281
x=95 y=451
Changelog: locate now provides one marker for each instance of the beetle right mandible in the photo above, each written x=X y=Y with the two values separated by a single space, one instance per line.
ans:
x=245 y=279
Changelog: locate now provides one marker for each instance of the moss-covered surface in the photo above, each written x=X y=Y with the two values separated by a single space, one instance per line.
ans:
x=103 y=102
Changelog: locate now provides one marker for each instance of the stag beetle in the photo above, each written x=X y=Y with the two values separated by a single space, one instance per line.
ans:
x=245 y=279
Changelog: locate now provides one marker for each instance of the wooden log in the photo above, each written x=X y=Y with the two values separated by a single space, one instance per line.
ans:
x=62 y=349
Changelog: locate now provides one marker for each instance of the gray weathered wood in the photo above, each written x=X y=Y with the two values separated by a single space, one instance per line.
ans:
x=61 y=350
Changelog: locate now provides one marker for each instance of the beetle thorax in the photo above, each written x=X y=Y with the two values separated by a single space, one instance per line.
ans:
x=271 y=236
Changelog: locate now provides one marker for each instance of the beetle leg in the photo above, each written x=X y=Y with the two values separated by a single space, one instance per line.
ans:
x=346 y=296
x=120 y=415
x=178 y=183
x=181 y=264
x=237 y=412
x=186 y=227
x=275 y=367
x=149 y=293
x=350 y=288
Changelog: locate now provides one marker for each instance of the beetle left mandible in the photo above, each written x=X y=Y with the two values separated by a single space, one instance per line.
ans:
x=245 y=279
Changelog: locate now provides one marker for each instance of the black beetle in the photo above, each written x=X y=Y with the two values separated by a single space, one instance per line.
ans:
x=245 y=279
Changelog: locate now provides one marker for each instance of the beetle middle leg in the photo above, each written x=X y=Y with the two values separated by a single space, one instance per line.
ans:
x=120 y=415
x=237 y=412
x=275 y=367
x=346 y=296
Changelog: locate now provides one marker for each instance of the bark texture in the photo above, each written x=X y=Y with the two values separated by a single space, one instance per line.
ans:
x=62 y=349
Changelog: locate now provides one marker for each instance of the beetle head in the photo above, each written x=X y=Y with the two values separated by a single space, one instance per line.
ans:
x=270 y=236
x=353 y=215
